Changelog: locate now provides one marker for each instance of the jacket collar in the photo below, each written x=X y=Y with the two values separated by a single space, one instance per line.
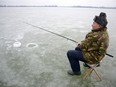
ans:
x=100 y=29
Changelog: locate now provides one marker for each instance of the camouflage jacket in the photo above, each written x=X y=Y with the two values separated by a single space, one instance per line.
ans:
x=95 y=45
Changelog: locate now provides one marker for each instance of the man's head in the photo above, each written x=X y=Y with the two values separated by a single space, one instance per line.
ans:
x=100 y=21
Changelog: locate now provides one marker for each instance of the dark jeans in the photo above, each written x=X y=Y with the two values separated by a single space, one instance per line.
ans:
x=74 y=57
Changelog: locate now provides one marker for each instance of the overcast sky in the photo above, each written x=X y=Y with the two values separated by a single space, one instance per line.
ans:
x=110 y=3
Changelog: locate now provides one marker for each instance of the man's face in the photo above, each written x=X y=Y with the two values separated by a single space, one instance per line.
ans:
x=96 y=26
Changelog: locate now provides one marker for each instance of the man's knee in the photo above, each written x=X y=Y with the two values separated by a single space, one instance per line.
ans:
x=70 y=53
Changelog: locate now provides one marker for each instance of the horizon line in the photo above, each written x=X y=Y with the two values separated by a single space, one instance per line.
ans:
x=75 y=6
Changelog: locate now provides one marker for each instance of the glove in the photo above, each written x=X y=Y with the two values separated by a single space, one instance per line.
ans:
x=78 y=49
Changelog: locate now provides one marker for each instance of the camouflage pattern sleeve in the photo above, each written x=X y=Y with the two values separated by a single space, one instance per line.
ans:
x=90 y=42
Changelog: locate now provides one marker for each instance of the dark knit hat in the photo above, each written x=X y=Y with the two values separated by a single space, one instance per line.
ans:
x=101 y=19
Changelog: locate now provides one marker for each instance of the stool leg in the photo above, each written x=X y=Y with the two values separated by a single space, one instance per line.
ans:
x=87 y=73
x=97 y=74
x=91 y=72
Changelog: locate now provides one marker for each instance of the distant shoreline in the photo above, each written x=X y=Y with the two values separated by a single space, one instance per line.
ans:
x=60 y=6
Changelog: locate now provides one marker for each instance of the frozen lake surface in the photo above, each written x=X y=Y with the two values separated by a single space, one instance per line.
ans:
x=31 y=57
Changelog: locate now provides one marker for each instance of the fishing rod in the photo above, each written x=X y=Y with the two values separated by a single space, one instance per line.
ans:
x=52 y=32
x=58 y=35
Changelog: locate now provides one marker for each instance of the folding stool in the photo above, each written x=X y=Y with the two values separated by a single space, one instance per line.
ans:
x=91 y=68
